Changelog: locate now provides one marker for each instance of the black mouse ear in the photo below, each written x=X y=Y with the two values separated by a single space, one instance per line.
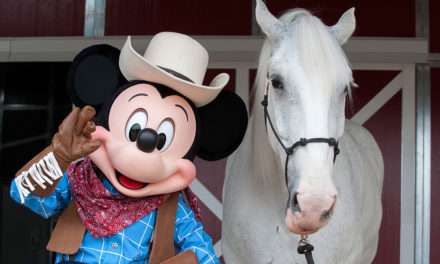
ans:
x=94 y=75
x=223 y=125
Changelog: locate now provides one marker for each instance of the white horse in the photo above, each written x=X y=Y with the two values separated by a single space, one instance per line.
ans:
x=307 y=77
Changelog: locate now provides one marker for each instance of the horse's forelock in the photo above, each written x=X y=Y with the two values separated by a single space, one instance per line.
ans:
x=319 y=53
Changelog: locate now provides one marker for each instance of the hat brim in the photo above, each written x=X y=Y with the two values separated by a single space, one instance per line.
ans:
x=135 y=67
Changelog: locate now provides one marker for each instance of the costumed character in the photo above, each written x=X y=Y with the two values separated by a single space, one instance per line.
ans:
x=119 y=167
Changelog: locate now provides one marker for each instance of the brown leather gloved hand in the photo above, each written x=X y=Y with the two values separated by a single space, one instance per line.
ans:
x=73 y=139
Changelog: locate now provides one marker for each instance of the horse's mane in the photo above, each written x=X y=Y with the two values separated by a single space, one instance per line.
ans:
x=317 y=52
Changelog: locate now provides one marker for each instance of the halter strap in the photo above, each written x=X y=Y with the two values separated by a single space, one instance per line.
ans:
x=302 y=142
x=332 y=142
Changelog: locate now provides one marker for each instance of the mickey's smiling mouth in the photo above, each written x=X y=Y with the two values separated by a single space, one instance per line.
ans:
x=129 y=183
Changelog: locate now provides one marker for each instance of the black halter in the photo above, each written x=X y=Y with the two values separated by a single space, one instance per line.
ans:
x=302 y=142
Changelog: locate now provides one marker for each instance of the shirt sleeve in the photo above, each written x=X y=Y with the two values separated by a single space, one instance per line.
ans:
x=189 y=234
x=45 y=206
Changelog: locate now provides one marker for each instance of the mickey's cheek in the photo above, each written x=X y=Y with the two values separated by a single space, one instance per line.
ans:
x=101 y=156
x=182 y=178
x=101 y=134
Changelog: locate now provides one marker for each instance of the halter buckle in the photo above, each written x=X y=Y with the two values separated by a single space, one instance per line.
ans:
x=332 y=142
x=290 y=150
x=304 y=247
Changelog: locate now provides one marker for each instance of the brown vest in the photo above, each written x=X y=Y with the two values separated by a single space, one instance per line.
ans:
x=68 y=233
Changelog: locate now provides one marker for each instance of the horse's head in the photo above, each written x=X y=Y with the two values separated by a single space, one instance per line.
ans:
x=308 y=78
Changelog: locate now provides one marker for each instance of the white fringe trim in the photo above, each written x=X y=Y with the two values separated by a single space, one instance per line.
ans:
x=45 y=171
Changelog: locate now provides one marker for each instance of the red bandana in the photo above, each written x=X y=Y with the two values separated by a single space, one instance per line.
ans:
x=103 y=213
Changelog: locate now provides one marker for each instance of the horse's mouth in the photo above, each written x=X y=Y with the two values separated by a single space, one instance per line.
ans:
x=305 y=231
x=300 y=225
x=129 y=183
x=300 y=230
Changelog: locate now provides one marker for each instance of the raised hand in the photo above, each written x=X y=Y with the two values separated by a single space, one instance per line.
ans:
x=73 y=139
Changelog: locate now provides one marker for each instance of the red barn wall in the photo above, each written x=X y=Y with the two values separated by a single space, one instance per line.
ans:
x=393 y=18
x=19 y=18
x=435 y=25
x=197 y=17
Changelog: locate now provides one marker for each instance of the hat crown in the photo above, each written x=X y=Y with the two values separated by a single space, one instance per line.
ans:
x=178 y=53
x=174 y=60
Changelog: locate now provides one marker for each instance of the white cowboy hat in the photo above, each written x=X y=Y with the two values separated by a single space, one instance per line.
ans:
x=175 y=60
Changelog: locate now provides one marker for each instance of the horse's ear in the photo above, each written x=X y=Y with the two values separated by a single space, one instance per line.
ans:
x=94 y=75
x=269 y=24
x=345 y=26
x=223 y=125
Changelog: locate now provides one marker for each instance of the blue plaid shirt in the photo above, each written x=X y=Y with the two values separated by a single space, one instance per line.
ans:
x=131 y=245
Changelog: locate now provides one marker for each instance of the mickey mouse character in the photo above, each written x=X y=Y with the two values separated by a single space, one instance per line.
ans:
x=120 y=160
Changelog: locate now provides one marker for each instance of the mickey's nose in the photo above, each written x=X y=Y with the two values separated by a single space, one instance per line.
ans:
x=147 y=140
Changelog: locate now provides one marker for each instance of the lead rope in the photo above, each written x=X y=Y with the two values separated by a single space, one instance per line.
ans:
x=305 y=248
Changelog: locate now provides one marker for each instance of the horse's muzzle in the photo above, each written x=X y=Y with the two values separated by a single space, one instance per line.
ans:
x=309 y=212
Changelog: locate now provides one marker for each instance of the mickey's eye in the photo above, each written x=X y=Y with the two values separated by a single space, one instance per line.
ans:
x=135 y=124
x=165 y=134
x=277 y=82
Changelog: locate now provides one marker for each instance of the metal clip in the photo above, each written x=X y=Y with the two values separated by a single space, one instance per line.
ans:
x=305 y=248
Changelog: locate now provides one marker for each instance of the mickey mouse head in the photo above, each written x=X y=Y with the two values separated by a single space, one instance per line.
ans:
x=152 y=125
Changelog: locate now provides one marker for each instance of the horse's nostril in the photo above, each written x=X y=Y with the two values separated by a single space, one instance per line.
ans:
x=326 y=215
x=295 y=204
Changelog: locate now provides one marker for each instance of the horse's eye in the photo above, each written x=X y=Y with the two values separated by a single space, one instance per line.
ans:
x=277 y=83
